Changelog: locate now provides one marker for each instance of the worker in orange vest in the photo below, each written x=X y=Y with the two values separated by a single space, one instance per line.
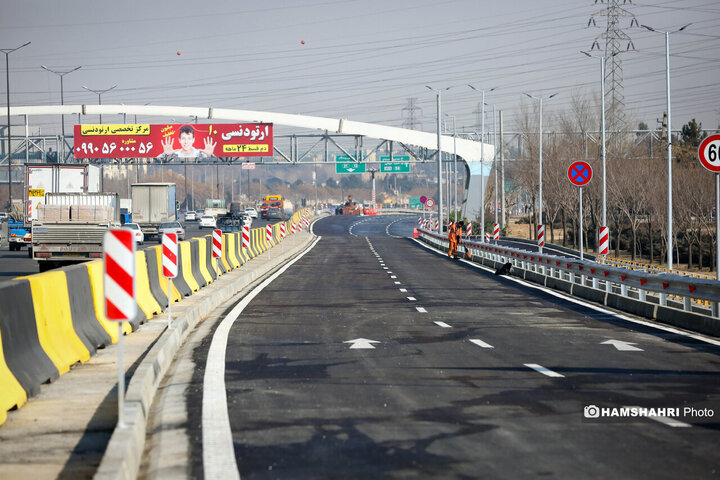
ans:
x=452 y=240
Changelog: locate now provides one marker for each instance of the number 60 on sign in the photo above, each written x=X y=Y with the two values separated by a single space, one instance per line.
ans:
x=709 y=153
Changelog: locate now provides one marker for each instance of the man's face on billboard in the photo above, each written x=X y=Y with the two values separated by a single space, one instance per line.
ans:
x=186 y=141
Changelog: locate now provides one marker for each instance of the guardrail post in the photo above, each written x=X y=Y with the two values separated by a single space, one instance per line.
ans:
x=595 y=282
x=663 y=299
x=623 y=290
x=572 y=277
x=608 y=286
x=642 y=295
x=686 y=304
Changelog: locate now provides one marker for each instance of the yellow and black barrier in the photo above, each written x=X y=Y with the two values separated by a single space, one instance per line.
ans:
x=51 y=321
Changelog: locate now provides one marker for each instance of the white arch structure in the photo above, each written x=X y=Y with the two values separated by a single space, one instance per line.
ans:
x=470 y=151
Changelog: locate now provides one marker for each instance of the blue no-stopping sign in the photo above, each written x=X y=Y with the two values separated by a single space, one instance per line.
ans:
x=580 y=173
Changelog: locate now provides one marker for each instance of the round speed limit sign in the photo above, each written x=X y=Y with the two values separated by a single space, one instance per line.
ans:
x=709 y=153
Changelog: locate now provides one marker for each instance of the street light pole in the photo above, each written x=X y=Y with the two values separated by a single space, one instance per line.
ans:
x=602 y=135
x=439 y=158
x=669 y=140
x=7 y=52
x=99 y=94
x=482 y=165
x=540 y=197
x=61 y=74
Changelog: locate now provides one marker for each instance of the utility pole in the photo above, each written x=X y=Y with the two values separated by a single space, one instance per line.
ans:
x=61 y=74
x=502 y=175
x=7 y=52
x=615 y=41
x=99 y=94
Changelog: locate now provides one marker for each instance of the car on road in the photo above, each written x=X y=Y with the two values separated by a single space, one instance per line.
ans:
x=137 y=232
x=4 y=217
x=171 y=227
x=191 y=216
x=207 y=221
x=252 y=212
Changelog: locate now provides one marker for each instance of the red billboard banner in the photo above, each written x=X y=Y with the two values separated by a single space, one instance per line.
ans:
x=176 y=140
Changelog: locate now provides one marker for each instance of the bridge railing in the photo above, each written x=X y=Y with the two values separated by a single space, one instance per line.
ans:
x=593 y=274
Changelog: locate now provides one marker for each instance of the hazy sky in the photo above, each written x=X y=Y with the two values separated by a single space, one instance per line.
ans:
x=362 y=59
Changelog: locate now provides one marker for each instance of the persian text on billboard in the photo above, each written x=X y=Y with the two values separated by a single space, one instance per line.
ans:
x=177 y=140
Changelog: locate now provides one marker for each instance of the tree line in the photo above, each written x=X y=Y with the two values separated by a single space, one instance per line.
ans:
x=636 y=193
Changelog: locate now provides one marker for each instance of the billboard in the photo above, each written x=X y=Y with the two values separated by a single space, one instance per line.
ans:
x=176 y=140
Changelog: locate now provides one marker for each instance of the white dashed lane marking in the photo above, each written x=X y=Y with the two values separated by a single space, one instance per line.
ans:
x=442 y=324
x=543 y=370
x=480 y=343
x=421 y=309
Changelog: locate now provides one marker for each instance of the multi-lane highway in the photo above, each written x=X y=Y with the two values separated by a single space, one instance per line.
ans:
x=374 y=357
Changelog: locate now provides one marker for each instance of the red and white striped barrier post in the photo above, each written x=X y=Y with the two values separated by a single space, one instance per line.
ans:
x=604 y=240
x=119 y=292
x=468 y=230
x=487 y=237
x=541 y=236
x=268 y=233
x=246 y=237
x=282 y=236
x=169 y=266
x=217 y=250
x=496 y=232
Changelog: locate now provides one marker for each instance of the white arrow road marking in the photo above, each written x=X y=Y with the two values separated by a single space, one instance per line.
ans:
x=543 y=370
x=669 y=421
x=622 y=346
x=442 y=324
x=361 y=343
x=480 y=343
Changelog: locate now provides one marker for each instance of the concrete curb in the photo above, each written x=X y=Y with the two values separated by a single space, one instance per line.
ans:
x=123 y=454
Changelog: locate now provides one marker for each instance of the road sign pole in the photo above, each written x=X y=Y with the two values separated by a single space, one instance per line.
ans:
x=716 y=305
x=169 y=303
x=581 y=225
x=121 y=378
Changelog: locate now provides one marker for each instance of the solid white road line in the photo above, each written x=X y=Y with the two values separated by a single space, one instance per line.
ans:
x=543 y=370
x=218 y=448
x=669 y=421
x=442 y=324
x=480 y=343
x=421 y=309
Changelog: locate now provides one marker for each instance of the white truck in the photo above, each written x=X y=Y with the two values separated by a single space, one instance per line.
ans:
x=70 y=227
x=45 y=178
x=153 y=204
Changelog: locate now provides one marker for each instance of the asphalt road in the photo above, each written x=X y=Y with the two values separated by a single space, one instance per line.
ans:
x=17 y=263
x=471 y=375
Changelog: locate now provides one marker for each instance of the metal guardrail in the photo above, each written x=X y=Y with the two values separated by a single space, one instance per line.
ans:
x=576 y=271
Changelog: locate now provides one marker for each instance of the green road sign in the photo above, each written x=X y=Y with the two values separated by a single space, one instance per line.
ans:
x=394 y=167
x=396 y=158
x=415 y=202
x=349 y=167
